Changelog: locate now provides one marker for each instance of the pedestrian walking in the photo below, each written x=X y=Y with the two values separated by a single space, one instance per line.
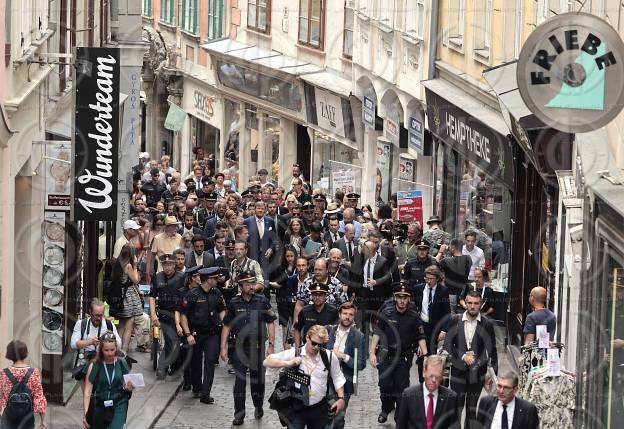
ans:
x=321 y=365
x=106 y=395
x=471 y=344
x=429 y=404
x=317 y=313
x=250 y=319
x=16 y=382
x=203 y=310
x=397 y=335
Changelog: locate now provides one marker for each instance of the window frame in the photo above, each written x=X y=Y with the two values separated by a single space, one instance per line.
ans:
x=188 y=6
x=386 y=11
x=455 y=38
x=518 y=27
x=267 y=11
x=167 y=20
x=306 y=42
x=147 y=8
x=215 y=19
x=482 y=37
x=414 y=17
x=348 y=5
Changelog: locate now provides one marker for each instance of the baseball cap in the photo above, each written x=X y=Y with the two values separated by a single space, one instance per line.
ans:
x=131 y=224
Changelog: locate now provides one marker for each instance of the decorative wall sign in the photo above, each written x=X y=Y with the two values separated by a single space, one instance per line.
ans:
x=53 y=282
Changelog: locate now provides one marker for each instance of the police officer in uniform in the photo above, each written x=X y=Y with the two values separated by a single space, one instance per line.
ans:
x=202 y=214
x=164 y=299
x=203 y=310
x=192 y=281
x=397 y=331
x=317 y=313
x=250 y=319
x=414 y=270
x=352 y=201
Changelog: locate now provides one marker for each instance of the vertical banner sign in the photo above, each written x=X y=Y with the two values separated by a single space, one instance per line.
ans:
x=410 y=206
x=368 y=112
x=415 y=135
x=96 y=134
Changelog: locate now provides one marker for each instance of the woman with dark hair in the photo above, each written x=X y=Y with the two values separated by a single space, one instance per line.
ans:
x=17 y=352
x=294 y=234
x=284 y=290
x=105 y=375
x=125 y=299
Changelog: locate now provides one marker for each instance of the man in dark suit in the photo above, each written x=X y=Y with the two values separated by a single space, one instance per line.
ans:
x=347 y=245
x=263 y=243
x=188 y=227
x=432 y=300
x=374 y=285
x=389 y=253
x=199 y=256
x=344 y=339
x=471 y=343
x=505 y=410
x=332 y=234
x=428 y=405
x=211 y=224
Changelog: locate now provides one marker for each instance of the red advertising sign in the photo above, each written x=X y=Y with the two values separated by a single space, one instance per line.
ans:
x=410 y=206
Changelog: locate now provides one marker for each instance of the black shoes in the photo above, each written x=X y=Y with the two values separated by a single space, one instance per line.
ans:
x=258 y=413
x=160 y=376
x=197 y=394
x=186 y=387
x=206 y=399
x=382 y=418
x=231 y=370
x=238 y=421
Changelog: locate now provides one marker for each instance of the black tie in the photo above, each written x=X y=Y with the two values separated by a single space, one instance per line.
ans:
x=349 y=257
x=504 y=421
x=430 y=297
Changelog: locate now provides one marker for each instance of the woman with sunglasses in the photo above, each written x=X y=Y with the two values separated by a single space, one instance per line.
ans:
x=105 y=377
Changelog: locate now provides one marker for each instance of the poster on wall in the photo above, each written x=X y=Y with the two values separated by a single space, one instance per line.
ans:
x=53 y=290
x=382 y=183
x=406 y=169
x=96 y=137
x=410 y=205
x=343 y=180
x=415 y=130
x=57 y=173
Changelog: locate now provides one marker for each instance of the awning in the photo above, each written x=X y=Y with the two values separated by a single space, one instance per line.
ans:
x=330 y=81
x=263 y=57
x=597 y=162
x=467 y=103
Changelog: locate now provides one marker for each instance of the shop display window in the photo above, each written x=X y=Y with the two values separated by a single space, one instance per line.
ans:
x=335 y=165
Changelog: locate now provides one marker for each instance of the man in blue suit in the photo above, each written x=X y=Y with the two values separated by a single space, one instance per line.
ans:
x=344 y=339
x=263 y=243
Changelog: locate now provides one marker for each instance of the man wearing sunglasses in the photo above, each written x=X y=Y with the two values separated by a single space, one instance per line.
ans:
x=320 y=364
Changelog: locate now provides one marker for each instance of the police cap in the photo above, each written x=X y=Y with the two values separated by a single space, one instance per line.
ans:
x=213 y=196
x=319 y=287
x=247 y=277
x=402 y=289
x=193 y=270
x=353 y=196
x=167 y=257
x=422 y=244
x=211 y=272
x=229 y=243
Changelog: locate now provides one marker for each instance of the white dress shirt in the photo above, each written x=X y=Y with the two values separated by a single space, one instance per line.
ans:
x=316 y=369
x=478 y=259
x=369 y=269
x=260 y=223
x=199 y=259
x=426 y=393
x=424 y=311
x=341 y=341
x=470 y=327
x=498 y=414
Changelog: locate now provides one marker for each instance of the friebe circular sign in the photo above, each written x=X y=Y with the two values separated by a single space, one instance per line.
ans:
x=571 y=73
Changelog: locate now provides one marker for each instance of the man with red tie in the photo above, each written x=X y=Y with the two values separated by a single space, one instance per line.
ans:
x=428 y=405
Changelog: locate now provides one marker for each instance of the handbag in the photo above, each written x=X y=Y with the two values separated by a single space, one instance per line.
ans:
x=90 y=417
x=287 y=397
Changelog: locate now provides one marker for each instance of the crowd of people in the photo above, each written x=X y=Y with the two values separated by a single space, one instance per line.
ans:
x=347 y=284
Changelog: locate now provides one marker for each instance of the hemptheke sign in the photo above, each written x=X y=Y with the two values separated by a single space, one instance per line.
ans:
x=96 y=134
x=571 y=72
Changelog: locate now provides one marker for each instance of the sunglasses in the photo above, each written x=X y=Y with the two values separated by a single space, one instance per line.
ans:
x=315 y=344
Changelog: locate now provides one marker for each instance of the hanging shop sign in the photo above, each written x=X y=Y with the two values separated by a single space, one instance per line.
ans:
x=96 y=135
x=57 y=173
x=368 y=112
x=392 y=126
x=406 y=168
x=571 y=72
x=329 y=112
x=175 y=118
x=53 y=290
x=416 y=135
x=410 y=205
x=480 y=144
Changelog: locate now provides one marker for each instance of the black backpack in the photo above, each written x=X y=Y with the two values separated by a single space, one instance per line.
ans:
x=19 y=405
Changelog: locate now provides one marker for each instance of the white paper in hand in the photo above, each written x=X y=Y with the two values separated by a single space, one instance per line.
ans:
x=136 y=379
x=554 y=363
x=543 y=338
